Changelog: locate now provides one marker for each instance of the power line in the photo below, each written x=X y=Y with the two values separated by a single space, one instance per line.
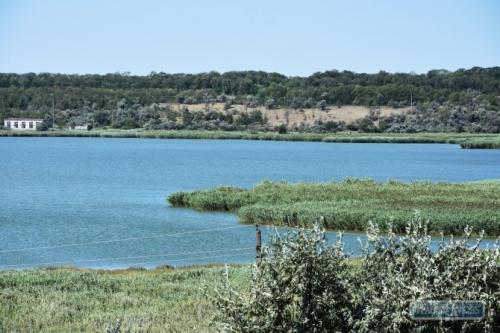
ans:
x=120 y=240
x=184 y=259
x=127 y=258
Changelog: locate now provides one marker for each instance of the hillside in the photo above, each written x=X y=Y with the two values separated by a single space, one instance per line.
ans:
x=295 y=117
x=437 y=101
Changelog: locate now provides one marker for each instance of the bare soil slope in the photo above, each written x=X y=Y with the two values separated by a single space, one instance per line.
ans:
x=291 y=117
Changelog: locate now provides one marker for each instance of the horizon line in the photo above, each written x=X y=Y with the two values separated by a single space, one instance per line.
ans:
x=153 y=72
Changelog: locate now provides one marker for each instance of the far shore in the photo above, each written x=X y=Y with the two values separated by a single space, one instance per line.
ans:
x=465 y=140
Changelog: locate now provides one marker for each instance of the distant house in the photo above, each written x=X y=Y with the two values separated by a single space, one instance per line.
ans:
x=78 y=125
x=22 y=124
x=81 y=127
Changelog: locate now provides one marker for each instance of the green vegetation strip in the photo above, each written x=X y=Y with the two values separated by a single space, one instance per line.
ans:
x=351 y=204
x=71 y=300
x=466 y=140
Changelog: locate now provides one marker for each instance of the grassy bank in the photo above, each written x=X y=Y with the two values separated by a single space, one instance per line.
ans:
x=159 y=300
x=70 y=300
x=466 y=140
x=351 y=204
x=84 y=300
x=481 y=143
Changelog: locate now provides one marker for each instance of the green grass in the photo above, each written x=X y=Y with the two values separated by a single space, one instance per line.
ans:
x=481 y=143
x=82 y=300
x=466 y=140
x=85 y=300
x=72 y=300
x=351 y=204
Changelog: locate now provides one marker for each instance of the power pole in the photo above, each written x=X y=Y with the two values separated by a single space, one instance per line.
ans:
x=53 y=109
x=411 y=102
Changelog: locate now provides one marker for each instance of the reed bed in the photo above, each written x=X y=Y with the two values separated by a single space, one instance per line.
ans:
x=73 y=300
x=466 y=140
x=484 y=143
x=351 y=204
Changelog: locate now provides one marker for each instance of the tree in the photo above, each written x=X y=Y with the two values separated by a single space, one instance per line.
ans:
x=464 y=100
x=44 y=126
x=270 y=104
x=295 y=104
x=250 y=101
x=281 y=129
x=366 y=125
x=308 y=103
x=321 y=105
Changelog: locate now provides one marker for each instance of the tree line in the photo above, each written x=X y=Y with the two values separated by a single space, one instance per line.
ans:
x=463 y=100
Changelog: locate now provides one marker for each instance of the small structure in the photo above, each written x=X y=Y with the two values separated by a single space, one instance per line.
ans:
x=22 y=124
x=81 y=127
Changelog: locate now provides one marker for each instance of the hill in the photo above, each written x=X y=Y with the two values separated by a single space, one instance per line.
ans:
x=437 y=101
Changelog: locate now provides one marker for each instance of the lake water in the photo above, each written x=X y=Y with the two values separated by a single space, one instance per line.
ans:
x=93 y=202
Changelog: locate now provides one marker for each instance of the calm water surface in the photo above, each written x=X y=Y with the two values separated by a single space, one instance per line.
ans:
x=101 y=202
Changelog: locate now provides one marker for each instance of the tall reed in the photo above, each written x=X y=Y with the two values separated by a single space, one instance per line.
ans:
x=351 y=204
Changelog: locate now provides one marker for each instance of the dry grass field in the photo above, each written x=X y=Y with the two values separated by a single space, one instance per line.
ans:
x=291 y=117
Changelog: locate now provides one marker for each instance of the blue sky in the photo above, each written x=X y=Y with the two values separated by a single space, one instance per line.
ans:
x=290 y=37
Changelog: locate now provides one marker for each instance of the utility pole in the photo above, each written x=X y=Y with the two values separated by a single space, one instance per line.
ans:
x=53 y=109
x=411 y=102
x=258 y=245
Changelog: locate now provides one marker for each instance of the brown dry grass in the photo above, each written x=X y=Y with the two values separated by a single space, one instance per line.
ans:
x=291 y=117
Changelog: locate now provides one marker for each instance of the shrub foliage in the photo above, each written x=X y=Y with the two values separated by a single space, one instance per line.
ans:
x=305 y=285
x=300 y=285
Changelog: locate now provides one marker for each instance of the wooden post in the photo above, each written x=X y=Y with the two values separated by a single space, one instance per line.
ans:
x=258 y=244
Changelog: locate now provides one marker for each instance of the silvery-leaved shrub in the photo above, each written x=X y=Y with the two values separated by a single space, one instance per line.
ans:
x=301 y=285
x=305 y=285
x=397 y=270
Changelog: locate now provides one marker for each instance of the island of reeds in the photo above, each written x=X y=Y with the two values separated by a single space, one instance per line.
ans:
x=353 y=203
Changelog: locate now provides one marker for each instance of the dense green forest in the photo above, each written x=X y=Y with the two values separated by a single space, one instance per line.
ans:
x=443 y=101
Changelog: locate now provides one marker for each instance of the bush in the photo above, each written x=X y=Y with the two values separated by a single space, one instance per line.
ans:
x=306 y=285
x=281 y=129
x=300 y=286
x=270 y=103
x=402 y=269
x=321 y=105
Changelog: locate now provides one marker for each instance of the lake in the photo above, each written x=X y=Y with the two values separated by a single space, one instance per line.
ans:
x=100 y=203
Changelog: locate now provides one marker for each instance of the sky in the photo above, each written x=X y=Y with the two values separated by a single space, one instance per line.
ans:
x=296 y=38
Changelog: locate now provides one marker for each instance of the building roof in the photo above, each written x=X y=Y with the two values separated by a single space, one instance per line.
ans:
x=23 y=119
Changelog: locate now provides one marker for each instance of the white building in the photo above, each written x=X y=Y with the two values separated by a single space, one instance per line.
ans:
x=22 y=124
x=81 y=127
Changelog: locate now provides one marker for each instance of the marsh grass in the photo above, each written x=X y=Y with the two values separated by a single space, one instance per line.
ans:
x=466 y=140
x=78 y=300
x=483 y=143
x=351 y=204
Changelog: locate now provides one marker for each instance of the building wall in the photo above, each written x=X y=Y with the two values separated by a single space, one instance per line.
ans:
x=21 y=124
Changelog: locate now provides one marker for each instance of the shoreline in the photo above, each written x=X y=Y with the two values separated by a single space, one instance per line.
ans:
x=465 y=140
x=487 y=242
